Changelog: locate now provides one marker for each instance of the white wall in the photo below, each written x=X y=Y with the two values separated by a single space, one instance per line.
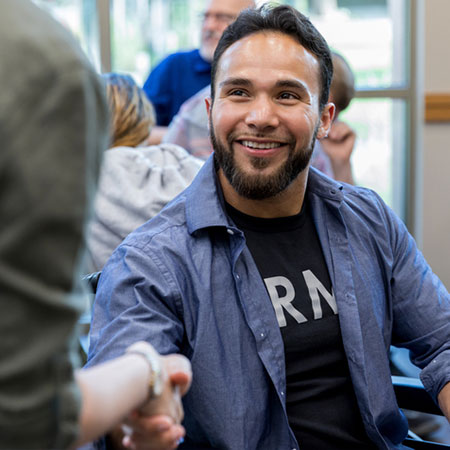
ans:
x=436 y=143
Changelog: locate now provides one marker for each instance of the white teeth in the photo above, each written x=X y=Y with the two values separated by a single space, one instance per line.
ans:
x=261 y=145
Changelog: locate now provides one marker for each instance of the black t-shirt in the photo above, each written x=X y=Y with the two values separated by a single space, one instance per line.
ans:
x=320 y=400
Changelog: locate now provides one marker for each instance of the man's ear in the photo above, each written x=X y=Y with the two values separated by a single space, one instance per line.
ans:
x=326 y=120
x=208 y=103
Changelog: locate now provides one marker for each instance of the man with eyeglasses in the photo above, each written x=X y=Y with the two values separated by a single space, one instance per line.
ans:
x=180 y=75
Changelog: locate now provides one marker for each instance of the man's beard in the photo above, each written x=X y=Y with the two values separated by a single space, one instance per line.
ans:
x=259 y=187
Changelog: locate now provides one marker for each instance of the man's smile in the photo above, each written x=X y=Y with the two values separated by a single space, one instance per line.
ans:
x=261 y=145
x=261 y=148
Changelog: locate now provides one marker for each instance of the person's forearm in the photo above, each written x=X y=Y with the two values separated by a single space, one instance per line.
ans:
x=444 y=400
x=109 y=392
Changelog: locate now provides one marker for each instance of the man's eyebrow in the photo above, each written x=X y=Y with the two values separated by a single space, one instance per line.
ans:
x=235 y=82
x=293 y=84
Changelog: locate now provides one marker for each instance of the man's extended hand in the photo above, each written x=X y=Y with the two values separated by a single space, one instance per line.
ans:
x=339 y=147
x=157 y=423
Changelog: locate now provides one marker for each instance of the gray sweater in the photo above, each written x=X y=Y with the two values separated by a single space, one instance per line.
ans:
x=135 y=184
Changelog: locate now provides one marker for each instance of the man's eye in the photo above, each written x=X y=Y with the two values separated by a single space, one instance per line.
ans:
x=288 y=96
x=238 y=92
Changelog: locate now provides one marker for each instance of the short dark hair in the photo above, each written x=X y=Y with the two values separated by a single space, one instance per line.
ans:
x=283 y=19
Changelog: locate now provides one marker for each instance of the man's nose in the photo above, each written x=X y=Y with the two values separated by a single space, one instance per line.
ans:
x=262 y=114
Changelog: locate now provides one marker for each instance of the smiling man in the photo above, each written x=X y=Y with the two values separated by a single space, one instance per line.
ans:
x=267 y=114
x=284 y=288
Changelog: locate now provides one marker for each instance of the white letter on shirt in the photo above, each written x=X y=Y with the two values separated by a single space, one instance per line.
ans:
x=314 y=287
x=283 y=302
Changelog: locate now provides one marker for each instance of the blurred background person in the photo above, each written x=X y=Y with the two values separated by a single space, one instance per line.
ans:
x=132 y=114
x=189 y=128
x=180 y=75
x=136 y=180
x=54 y=129
x=332 y=155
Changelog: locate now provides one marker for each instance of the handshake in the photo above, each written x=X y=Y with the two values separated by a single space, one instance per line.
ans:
x=135 y=398
x=157 y=423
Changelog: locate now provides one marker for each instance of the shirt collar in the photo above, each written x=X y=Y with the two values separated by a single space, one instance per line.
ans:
x=205 y=205
x=320 y=184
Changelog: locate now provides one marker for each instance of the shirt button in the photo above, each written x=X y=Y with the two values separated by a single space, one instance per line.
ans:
x=262 y=335
x=230 y=231
x=238 y=277
x=282 y=393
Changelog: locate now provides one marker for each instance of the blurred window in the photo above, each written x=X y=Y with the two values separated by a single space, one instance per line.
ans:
x=80 y=17
x=145 y=31
x=379 y=157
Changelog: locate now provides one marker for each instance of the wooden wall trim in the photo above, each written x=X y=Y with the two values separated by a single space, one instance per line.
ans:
x=437 y=107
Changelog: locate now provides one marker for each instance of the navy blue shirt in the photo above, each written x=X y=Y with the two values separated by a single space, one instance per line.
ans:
x=186 y=282
x=174 y=80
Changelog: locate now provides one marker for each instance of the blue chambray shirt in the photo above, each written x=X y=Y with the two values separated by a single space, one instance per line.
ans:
x=186 y=282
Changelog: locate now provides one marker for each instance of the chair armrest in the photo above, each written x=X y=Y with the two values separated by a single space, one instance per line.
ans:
x=92 y=280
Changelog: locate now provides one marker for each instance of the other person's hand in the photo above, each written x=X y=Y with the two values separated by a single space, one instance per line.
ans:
x=340 y=142
x=339 y=147
x=156 y=425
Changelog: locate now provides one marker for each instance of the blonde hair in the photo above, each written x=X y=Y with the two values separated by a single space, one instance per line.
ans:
x=132 y=114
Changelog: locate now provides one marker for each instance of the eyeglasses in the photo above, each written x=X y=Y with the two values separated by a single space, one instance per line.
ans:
x=219 y=17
